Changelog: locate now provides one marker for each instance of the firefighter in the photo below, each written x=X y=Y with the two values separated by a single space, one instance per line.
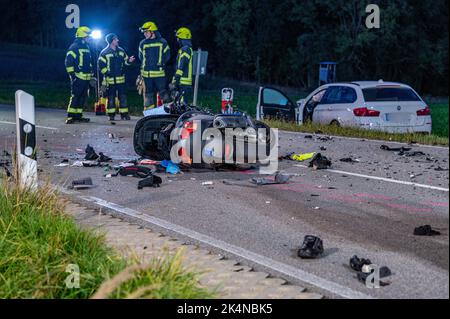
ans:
x=182 y=79
x=154 y=53
x=111 y=64
x=79 y=66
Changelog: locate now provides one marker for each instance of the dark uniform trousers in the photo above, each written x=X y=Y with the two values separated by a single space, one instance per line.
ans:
x=78 y=95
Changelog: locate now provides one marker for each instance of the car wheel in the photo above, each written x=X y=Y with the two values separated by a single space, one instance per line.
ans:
x=335 y=123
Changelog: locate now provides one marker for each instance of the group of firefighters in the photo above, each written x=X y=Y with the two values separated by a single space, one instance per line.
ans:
x=154 y=54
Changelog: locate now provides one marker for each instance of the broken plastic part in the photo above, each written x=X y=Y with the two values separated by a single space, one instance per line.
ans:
x=426 y=230
x=319 y=162
x=82 y=183
x=151 y=181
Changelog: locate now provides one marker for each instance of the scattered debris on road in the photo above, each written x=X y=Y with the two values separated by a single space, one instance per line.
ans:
x=349 y=160
x=395 y=149
x=279 y=178
x=320 y=162
x=90 y=154
x=84 y=183
x=426 y=230
x=171 y=167
x=357 y=263
x=151 y=181
x=311 y=248
x=363 y=269
x=302 y=157
x=209 y=183
x=135 y=171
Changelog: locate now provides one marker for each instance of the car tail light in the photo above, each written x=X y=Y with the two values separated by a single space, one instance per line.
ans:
x=365 y=112
x=188 y=128
x=424 y=112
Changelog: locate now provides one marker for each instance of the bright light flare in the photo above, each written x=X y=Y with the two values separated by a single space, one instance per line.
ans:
x=96 y=34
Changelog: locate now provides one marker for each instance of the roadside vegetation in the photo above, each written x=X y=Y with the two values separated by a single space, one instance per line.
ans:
x=55 y=95
x=38 y=241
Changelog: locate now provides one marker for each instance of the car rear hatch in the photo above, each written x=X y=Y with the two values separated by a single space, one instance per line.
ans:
x=397 y=105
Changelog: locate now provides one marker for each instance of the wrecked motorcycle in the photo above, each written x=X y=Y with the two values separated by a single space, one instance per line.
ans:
x=184 y=131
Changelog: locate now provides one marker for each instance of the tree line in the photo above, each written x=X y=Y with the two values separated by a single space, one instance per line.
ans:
x=267 y=41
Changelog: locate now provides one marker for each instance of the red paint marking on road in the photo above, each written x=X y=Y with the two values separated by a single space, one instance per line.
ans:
x=436 y=204
x=374 y=196
x=345 y=198
x=248 y=172
x=409 y=208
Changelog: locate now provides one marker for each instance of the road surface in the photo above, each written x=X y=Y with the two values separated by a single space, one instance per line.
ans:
x=368 y=208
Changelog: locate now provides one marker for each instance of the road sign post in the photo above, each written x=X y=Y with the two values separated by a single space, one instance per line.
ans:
x=26 y=140
x=200 y=60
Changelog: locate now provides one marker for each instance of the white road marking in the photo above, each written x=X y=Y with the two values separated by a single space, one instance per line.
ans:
x=38 y=126
x=389 y=180
x=279 y=267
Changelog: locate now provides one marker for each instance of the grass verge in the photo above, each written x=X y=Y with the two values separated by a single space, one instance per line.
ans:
x=38 y=241
x=358 y=133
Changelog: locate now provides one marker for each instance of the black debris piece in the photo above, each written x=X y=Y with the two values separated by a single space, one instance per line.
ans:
x=319 y=162
x=309 y=136
x=7 y=172
x=325 y=138
x=286 y=157
x=411 y=154
x=65 y=161
x=311 y=248
x=440 y=169
x=323 y=148
x=384 y=272
x=83 y=183
x=395 y=149
x=348 y=160
x=357 y=263
x=5 y=153
x=151 y=181
x=103 y=158
x=90 y=154
x=426 y=230
x=136 y=171
x=279 y=178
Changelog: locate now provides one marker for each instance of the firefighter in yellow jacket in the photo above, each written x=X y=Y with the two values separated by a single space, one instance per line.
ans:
x=79 y=66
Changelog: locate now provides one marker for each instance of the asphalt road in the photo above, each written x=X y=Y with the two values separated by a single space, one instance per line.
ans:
x=368 y=208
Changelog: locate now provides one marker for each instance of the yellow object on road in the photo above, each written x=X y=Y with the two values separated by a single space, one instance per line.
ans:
x=303 y=157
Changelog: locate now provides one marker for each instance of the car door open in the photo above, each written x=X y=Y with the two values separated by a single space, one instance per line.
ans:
x=274 y=104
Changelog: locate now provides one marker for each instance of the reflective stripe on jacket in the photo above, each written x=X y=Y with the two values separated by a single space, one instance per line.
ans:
x=79 y=60
x=154 y=54
x=183 y=73
x=111 y=65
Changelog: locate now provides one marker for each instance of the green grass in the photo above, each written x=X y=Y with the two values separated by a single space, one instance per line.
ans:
x=56 y=96
x=38 y=241
x=359 y=133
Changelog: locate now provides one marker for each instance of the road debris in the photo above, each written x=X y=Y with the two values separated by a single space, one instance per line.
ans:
x=149 y=162
x=84 y=183
x=395 y=149
x=151 y=181
x=135 y=171
x=171 y=168
x=426 y=230
x=363 y=268
x=349 y=160
x=209 y=183
x=302 y=157
x=319 y=162
x=90 y=153
x=311 y=248
x=279 y=178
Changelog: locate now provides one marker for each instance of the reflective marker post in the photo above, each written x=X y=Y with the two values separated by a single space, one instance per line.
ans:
x=26 y=140
x=200 y=60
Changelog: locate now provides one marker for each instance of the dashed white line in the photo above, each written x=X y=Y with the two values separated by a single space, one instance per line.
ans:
x=389 y=180
x=38 y=126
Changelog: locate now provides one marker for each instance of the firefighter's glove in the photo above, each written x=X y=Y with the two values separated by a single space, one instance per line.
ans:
x=140 y=85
